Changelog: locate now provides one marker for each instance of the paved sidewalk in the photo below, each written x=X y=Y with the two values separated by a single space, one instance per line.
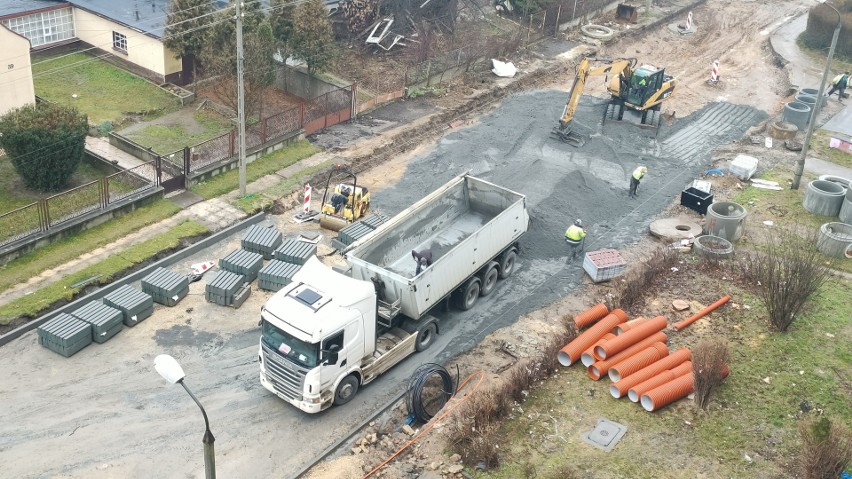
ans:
x=101 y=147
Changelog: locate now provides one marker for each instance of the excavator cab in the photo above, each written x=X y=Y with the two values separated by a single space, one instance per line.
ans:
x=645 y=81
x=345 y=203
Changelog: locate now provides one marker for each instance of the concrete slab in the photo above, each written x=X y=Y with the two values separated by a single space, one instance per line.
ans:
x=186 y=199
x=605 y=435
x=841 y=123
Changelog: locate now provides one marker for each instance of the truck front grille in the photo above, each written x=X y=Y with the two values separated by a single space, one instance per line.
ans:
x=287 y=377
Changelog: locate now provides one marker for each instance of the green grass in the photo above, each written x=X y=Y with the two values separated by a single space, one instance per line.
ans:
x=104 y=92
x=32 y=304
x=819 y=149
x=265 y=165
x=261 y=200
x=746 y=416
x=32 y=264
x=169 y=138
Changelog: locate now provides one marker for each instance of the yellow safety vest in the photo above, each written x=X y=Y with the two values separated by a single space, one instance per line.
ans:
x=575 y=233
x=638 y=173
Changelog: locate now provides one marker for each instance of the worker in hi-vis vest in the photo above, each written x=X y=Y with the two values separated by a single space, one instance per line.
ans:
x=838 y=84
x=638 y=174
x=575 y=236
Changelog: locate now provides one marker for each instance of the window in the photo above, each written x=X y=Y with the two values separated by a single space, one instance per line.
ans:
x=44 y=27
x=119 y=42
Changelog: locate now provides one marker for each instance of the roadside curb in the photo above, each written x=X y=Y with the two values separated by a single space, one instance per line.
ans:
x=136 y=276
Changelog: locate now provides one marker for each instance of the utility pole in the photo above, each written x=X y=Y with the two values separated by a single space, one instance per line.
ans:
x=241 y=101
x=800 y=163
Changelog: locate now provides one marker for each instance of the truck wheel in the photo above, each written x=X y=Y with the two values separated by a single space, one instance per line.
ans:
x=346 y=390
x=425 y=337
x=507 y=263
x=489 y=278
x=468 y=296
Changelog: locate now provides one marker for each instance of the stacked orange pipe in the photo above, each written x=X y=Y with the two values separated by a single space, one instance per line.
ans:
x=621 y=387
x=638 y=361
x=686 y=322
x=599 y=369
x=587 y=358
x=623 y=328
x=671 y=391
x=572 y=351
x=634 y=335
x=637 y=391
x=590 y=315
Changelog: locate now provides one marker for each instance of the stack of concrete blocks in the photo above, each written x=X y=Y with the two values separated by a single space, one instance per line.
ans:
x=276 y=274
x=262 y=240
x=135 y=304
x=165 y=286
x=295 y=252
x=227 y=289
x=242 y=262
x=65 y=334
x=360 y=229
x=105 y=320
x=603 y=265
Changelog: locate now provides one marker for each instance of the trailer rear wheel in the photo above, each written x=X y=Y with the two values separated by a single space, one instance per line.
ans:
x=507 y=263
x=346 y=390
x=489 y=278
x=425 y=337
x=468 y=296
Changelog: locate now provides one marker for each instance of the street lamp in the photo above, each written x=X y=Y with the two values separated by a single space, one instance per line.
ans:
x=800 y=163
x=171 y=371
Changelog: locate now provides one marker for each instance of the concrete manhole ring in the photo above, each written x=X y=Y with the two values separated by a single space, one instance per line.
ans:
x=782 y=130
x=675 y=229
x=597 y=31
x=793 y=145
x=714 y=247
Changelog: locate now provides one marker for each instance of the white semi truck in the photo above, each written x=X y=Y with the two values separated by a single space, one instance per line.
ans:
x=328 y=333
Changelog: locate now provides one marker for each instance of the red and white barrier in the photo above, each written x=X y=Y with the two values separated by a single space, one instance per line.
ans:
x=689 y=21
x=714 y=72
x=307 y=207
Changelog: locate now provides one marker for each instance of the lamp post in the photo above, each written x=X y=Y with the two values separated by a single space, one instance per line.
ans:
x=800 y=163
x=171 y=371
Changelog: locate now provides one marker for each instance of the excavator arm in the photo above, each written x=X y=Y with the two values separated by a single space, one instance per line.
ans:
x=584 y=70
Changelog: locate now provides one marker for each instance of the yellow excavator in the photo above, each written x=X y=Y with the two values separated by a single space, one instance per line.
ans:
x=348 y=201
x=641 y=89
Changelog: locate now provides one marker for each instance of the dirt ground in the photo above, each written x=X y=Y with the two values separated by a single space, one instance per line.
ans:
x=735 y=32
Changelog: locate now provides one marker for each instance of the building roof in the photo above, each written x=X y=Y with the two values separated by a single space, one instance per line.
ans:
x=10 y=8
x=147 y=16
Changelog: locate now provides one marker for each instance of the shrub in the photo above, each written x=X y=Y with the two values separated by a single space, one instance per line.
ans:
x=787 y=271
x=635 y=283
x=45 y=143
x=709 y=366
x=826 y=448
x=105 y=127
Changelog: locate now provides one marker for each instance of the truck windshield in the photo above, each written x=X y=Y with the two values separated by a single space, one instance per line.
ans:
x=296 y=350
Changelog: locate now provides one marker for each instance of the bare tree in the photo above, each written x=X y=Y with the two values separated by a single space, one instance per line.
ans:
x=787 y=271
x=826 y=448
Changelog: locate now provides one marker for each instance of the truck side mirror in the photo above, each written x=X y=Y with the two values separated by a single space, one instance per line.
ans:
x=331 y=354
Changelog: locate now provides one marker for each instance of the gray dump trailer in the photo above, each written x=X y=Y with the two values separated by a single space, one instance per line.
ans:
x=326 y=333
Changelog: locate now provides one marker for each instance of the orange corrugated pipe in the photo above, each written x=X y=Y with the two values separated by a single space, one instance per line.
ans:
x=599 y=369
x=671 y=391
x=638 y=361
x=686 y=322
x=590 y=315
x=638 y=390
x=623 y=328
x=621 y=387
x=587 y=358
x=624 y=341
x=571 y=352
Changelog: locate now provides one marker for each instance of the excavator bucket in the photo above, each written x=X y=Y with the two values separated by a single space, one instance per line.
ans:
x=333 y=223
x=626 y=13
x=568 y=136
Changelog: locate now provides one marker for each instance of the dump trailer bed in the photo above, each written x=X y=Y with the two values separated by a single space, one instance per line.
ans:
x=466 y=223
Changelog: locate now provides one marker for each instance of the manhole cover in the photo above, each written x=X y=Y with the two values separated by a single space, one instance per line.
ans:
x=605 y=435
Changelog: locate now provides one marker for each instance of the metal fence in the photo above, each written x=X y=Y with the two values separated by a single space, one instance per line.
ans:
x=321 y=112
x=61 y=208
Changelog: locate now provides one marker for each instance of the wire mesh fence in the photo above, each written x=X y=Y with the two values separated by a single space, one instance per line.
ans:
x=20 y=223
x=129 y=182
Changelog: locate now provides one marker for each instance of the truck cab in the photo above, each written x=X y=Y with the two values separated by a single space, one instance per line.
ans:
x=313 y=340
